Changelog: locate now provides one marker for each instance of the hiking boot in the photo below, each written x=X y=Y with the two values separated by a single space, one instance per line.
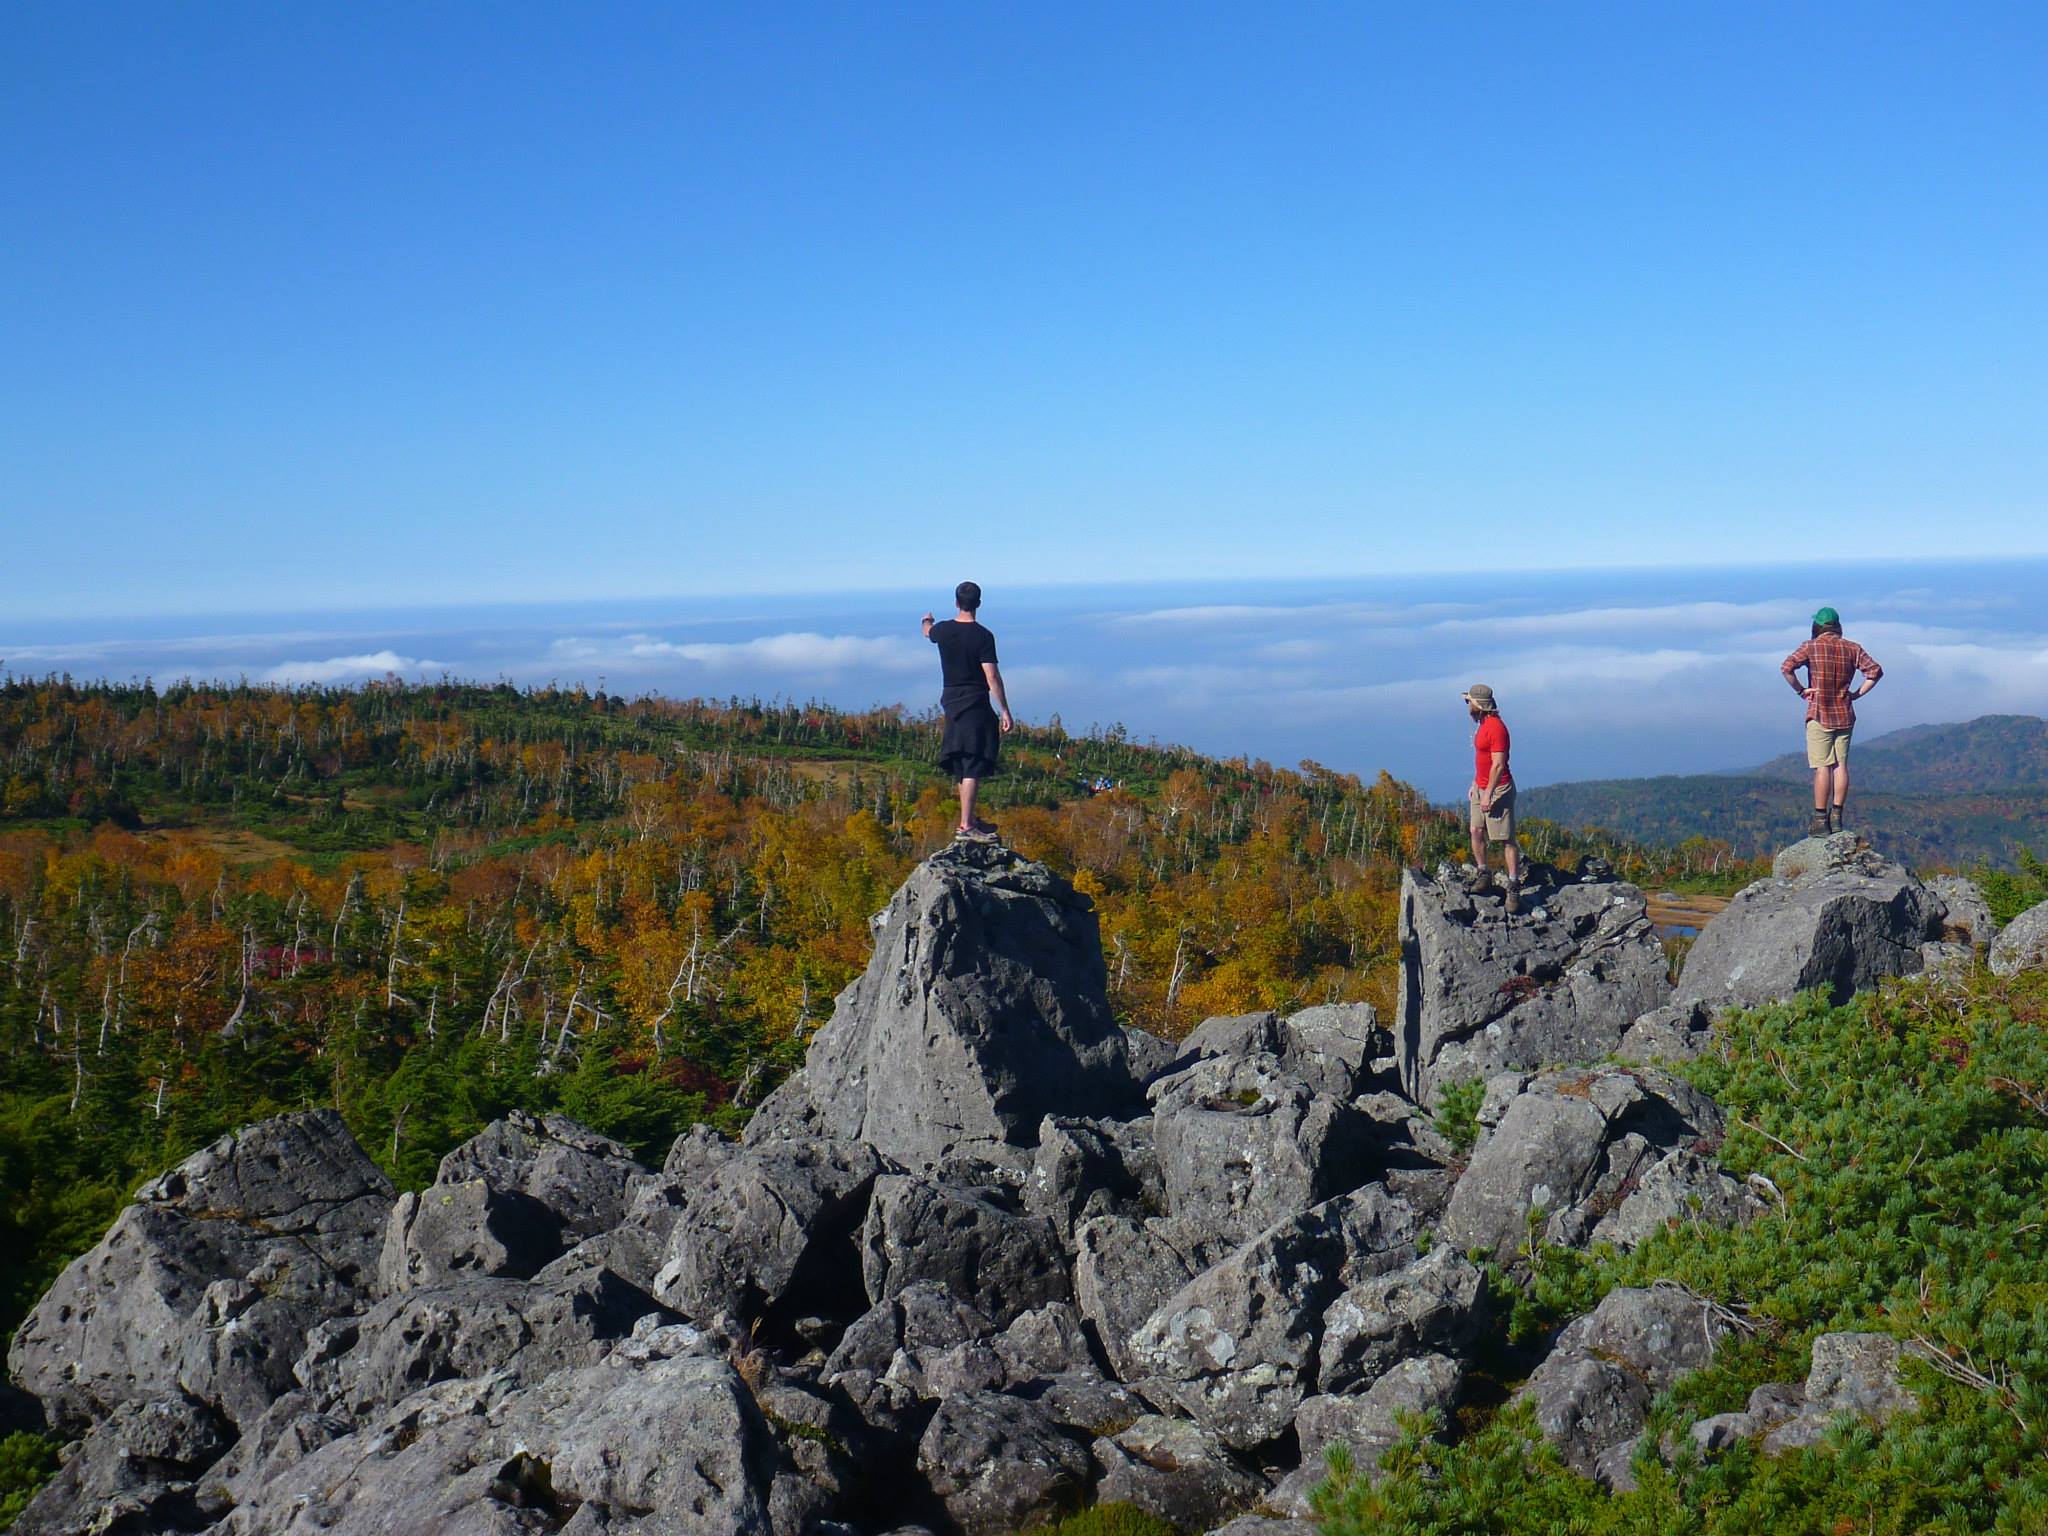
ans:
x=1821 y=825
x=1482 y=877
x=1835 y=819
x=1513 y=900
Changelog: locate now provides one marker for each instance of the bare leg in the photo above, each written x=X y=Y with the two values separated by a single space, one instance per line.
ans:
x=1512 y=852
x=967 y=791
x=1841 y=784
x=1478 y=845
x=1820 y=789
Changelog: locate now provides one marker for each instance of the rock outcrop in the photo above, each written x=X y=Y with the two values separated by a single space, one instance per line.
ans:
x=988 y=1257
x=1483 y=991
x=1834 y=915
x=207 y=1286
x=984 y=1009
x=2023 y=944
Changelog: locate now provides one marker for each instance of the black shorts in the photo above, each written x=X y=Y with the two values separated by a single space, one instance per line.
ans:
x=972 y=746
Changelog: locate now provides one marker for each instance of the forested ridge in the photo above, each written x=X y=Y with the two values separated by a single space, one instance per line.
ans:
x=430 y=905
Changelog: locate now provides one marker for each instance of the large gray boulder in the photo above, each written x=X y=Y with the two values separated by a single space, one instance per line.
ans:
x=1001 y=1261
x=664 y=1445
x=1240 y=1148
x=1088 y=1168
x=1482 y=991
x=1329 y=1049
x=582 y=1179
x=461 y=1230
x=469 y=1328
x=1124 y=1270
x=1366 y=1424
x=1593 y=1391
x=1175 y=1470
x=1237 y=1347
x=1000 y=1464
x=1564 y=1148
x=1851 y=1375
x=1833 y=915
x=766 y=1234
x=208 y=1283
x=136 y=1471
x=2023 y=944
x=1435 y=1305
x=984 y=1009
x=1966 y=916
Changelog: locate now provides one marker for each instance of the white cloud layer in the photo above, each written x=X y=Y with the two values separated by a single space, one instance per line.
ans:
x=342 y=669
x=797 y=654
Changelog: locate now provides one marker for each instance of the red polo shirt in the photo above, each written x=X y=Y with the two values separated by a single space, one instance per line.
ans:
x=1492 y=737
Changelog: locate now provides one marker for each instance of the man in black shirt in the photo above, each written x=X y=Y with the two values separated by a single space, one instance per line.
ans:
x=972 y=746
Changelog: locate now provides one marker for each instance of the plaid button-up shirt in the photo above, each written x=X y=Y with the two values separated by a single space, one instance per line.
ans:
x=1831 y=665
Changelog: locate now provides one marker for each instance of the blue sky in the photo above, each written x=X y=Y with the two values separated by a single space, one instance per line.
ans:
x=329 y=306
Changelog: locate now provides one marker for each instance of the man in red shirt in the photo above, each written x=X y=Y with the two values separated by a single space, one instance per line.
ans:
x=1492 y=795
x=1831 y=665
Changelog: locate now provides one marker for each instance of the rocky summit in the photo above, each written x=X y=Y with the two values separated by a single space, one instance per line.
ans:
x=987 y=1258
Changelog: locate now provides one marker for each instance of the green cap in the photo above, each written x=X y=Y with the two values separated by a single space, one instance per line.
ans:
x=1827 y=616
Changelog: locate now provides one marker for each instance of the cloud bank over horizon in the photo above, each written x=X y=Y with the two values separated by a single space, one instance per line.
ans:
x=1599 y=675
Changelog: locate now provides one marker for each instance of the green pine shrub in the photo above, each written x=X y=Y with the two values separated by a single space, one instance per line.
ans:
x=1906 y=1141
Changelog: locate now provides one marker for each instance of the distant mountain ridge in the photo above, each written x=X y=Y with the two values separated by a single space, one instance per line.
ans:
x=1948 y=794
x=1993 y=754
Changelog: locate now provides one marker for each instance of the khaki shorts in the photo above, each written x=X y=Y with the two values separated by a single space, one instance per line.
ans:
x=1498 y=822
x=1826 y=747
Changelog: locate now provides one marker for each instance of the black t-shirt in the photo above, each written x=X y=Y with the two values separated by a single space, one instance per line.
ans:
x=962 y=650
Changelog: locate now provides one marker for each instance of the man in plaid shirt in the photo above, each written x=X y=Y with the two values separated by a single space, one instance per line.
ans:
x=1831 y=665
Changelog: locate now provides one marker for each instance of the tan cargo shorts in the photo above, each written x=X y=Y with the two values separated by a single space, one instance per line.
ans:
x=1827 y=747
x=1499 y=822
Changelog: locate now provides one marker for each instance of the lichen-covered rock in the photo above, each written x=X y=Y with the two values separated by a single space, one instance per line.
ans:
x=1002 y=1261
x=1176 y=1471
x=1089 y=1168
x=1434 y=1305
x=984 y=1009
x=1675 y=1032
x=207 y=1284
x=1834 y=915
x=1236 y=1348
x=581 y=1178
x=1365 y=1423
x=2023 y=943
x=1483 y=991
x=1000 y=1464
x=767 y=1233
x=1237 y=1163
x=1124 y=1269
x=134 y=1472
x=1966 y=916
x=470 y=1328
x=1568 y=1144
x=1678 y=1189
x=675 y=1443
x=1592 y=1392
x=467 y=1230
